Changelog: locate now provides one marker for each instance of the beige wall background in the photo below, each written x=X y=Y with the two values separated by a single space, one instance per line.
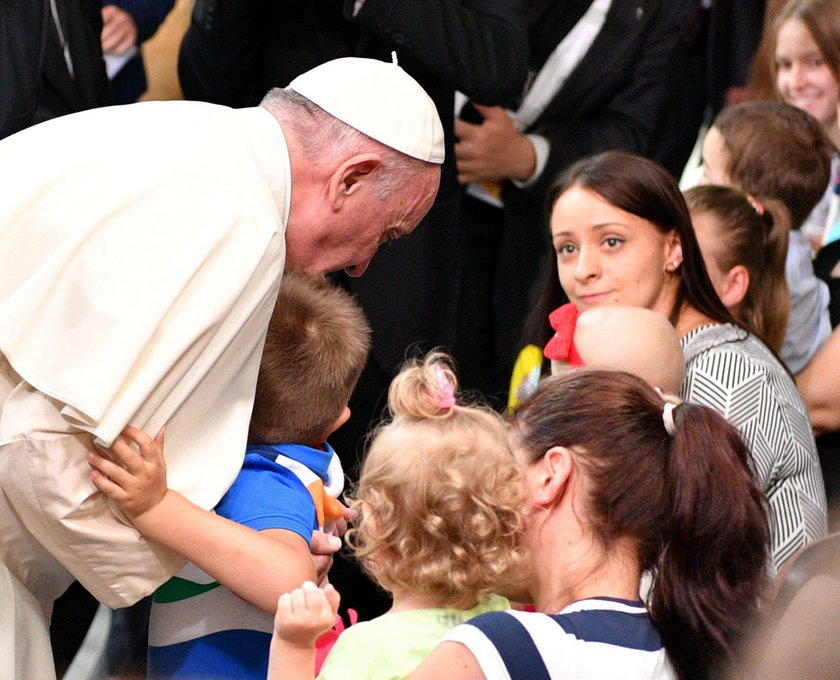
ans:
x=160 y=54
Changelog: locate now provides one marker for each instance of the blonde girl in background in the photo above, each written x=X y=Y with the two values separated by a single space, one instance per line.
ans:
x=442 y=504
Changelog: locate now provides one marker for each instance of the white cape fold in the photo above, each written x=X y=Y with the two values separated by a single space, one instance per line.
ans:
x=139 y=292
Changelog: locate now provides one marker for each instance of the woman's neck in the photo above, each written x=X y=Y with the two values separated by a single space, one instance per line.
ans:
x=691 y=318
x=585 y=571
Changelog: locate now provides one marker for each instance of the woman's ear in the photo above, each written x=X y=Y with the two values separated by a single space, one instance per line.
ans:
x=673 y=251
x=736 y=285
x=555 y=469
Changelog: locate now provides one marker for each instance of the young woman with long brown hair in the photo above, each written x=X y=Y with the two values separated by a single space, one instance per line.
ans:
x=623 y=236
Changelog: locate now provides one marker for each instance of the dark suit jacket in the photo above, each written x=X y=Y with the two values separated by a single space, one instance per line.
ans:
x=235 y=51
x=130 y=82
x=23 y=30
x=715 y=53
x=610 y=101
x=88 y=87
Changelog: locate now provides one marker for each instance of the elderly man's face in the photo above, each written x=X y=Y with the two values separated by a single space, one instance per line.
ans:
x=350 y=237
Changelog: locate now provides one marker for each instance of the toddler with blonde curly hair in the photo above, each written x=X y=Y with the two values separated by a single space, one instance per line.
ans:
x=441 y=505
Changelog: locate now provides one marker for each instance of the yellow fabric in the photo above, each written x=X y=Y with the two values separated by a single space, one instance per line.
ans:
x=525 y=375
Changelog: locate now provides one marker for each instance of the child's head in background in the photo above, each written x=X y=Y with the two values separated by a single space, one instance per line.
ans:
x=316 y=347
x=631 y=339
x=440 y=494
x=770 y=149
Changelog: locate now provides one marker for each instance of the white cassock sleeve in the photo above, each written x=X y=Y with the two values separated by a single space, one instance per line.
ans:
x=136 y=283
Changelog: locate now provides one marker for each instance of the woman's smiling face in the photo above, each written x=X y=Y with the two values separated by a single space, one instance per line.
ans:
x=607 y=256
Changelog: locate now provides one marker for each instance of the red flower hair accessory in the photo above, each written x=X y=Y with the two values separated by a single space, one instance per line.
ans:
x=562 y=346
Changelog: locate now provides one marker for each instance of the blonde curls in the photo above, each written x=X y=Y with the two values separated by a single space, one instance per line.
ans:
x=441 y=496
x=422 y=389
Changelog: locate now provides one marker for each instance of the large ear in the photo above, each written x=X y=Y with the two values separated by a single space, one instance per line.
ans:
x=351 y=176
x=555 y=469
x=736 y=285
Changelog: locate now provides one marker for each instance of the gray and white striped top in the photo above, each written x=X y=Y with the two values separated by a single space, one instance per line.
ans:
x=733 y=372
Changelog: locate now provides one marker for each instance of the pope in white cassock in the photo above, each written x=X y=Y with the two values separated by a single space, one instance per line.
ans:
x=136 y=285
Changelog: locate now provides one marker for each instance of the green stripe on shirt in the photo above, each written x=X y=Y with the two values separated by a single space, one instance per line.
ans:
x=176 y=589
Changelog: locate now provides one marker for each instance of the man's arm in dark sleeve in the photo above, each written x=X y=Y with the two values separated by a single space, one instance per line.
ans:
x=628 y=117
x=477 y=47
x=23 y=32
x=217 y=59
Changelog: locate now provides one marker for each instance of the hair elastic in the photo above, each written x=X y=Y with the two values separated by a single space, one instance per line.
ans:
x=668 y=418
x=445 y=393
x=756 y=204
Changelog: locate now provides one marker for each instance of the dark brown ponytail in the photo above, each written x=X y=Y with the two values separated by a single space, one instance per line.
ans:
x=709 y=580
x=688 y=501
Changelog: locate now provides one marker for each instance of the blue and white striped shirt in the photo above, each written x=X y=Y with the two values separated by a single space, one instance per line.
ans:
x=592 y=638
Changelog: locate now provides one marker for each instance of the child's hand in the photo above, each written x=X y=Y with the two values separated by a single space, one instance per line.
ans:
x=325 y=544
x=135 y=481
x=305 y=613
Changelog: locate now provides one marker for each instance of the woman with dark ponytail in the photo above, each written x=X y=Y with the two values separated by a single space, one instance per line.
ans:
x=622 y=483
x=744 y=242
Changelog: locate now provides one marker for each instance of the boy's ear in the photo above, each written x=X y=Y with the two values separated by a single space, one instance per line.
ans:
x=348 y=178
x=553 y=476
x=345 y=415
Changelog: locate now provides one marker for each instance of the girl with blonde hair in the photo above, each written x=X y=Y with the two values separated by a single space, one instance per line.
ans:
x=620 y=483
x=441 y=504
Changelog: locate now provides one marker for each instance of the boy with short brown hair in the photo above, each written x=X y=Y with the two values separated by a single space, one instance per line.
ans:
x=776 y=150
x=315 y=349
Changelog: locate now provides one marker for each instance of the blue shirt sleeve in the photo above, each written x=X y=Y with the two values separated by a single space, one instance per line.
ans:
x=266 y=495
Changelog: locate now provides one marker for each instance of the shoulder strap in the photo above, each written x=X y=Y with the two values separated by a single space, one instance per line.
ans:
x=514 y=645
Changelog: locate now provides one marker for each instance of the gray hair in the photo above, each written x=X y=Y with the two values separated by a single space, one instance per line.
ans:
x=321 y=134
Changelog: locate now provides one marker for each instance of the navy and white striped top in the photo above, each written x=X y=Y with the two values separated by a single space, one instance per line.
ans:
x=594 y=638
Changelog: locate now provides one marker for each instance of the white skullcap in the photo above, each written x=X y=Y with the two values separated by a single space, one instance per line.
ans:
x=380 y=100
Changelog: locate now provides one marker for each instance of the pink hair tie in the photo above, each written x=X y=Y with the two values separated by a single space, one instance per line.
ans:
x=445 y=393
x=756 y=204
